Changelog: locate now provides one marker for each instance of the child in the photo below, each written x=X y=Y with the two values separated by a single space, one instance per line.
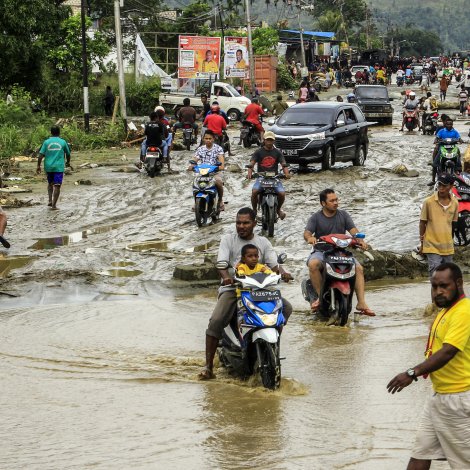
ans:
x=249 y=262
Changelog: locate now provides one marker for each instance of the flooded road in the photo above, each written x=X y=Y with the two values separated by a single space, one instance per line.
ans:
x=100 y=348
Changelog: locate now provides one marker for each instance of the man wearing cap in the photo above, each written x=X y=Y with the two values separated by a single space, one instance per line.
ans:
x=268 y=158
x=438 y=214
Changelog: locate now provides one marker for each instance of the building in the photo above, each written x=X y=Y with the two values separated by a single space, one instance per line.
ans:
x=75 y=5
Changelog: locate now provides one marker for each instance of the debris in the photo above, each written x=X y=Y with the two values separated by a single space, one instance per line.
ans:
x=83 y=182
x=15 y=189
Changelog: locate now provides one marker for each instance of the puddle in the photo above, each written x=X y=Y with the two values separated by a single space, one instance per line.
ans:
x=150 y=245
x=65 y=240
x=199 y=248
x=121 y=272
x=122 y=264
x=13 y=262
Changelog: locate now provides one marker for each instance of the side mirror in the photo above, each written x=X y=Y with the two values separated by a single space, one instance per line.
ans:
x=360 y=235
x=282 y=258
x=193 y=162
x=271 y=122
x=221 y=265
x=340 y=123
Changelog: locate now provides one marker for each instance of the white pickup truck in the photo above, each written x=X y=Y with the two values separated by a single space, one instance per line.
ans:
x=229 y=100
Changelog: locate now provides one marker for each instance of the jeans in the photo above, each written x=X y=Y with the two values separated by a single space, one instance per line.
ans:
x=434 y=260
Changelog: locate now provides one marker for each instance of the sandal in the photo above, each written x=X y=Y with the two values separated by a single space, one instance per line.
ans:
x=206 y=374
x=221 y=207
x=365 y=311
x=4 y=242
x=315 y=305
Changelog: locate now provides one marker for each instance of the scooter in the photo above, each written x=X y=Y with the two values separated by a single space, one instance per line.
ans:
x=339 y=277
x=205 y=193
x=224 y=142
x=449 y=156
x=411 y=119
x=153 y=161
x=461 y=191
x=249 y=135
x=267 y=200
x=250 y=344
x=400 y=81
x=188 y=138
x=430 y=123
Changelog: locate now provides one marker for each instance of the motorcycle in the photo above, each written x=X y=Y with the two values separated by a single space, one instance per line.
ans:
x=339 y=276
x=153 y=161
x=409 y=80
x=431 y=123
x=411 y=119
x=267 y=200
x=400 y=81
x=188 y=133
x=250 y=344
x=461 y=191
x=249 y=135
x=224 y=142
x=449 y=156
x=205 y=193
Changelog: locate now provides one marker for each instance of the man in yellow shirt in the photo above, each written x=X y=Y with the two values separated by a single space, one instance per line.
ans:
x=209 y=65
x=435 y=227
x=444 y=431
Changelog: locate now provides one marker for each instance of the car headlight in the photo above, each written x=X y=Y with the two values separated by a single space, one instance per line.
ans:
x=317 y=136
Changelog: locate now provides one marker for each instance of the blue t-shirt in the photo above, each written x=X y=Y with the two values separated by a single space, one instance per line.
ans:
x=54 y=150
x=445 y=134
x=408 y=72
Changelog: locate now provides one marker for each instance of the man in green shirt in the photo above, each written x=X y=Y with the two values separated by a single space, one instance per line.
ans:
x=54 y=150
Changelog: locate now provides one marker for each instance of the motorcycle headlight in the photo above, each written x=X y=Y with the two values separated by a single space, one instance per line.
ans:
x=253 y=307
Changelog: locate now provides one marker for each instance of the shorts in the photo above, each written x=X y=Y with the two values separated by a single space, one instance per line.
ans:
x=444 y=430
x=279 y=188
x=179 y=125
x=463 y=107
x=257 y=126
x=55 y=178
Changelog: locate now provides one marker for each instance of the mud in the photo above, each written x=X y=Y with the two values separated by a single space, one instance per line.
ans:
x=101 y=346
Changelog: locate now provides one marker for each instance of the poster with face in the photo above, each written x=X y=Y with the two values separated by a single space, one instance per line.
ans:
x=198 y=57
x=236 y=61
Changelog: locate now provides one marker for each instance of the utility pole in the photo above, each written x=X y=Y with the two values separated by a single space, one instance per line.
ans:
x=122 y=87
x=86 y=109
x=250 y=48
x=302 y=46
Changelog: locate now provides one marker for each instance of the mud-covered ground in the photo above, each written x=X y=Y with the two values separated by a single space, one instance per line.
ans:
x=100 y=347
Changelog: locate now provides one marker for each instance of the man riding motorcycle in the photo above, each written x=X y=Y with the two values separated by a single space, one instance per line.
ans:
x=186 y=115
x=330 y=220
x=429 y=107
x=155 y=133
x=268 y=158
x=252 y=114
x=411 y=103
x=216 y=123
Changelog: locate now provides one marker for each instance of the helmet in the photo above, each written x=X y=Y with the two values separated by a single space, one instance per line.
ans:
x=412 y=94
x=291 y=94
x=351 y=97
x=215 y=108
x=159 y=108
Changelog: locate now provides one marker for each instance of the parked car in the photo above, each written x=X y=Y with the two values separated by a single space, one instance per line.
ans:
x=322 y=132
x=374 y=102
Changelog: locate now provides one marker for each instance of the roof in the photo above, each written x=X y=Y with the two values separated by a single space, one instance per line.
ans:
x=318 y=34
x=319 y=105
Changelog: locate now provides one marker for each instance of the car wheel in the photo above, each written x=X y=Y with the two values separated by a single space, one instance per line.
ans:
x=360 y=156
x=327 y=160
x=388 y=121
x=233 y=114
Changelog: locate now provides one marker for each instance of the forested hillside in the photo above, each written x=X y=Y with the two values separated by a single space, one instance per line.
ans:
x=448 y=19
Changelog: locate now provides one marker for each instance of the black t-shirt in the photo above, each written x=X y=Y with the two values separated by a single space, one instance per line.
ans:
x=268 y=160
x=154 y=131
x=205 y=109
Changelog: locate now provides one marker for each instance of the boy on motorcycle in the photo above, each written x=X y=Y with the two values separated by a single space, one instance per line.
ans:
x=268 y=158
x=330 y=220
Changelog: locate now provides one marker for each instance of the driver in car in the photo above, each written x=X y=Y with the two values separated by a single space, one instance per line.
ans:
x=268 y=159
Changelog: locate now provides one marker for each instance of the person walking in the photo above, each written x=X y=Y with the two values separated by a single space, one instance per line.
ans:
x=108 y=101
x=463 y=100
x=444 y=430
x=54 y=151
x=3 y=226
x=438 y=213
x=443 y=85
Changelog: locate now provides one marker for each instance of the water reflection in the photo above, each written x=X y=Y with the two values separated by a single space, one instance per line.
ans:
x=13 y=262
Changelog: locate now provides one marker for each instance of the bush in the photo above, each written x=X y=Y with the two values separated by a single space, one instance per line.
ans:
x=285 y=81
x=142 y=97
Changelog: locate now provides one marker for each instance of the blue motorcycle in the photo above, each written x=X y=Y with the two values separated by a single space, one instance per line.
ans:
x=205 y=193
x=251 y=342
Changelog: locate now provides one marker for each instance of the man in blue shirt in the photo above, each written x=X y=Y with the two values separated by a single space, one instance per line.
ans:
x=55 y=151
x=448 y=132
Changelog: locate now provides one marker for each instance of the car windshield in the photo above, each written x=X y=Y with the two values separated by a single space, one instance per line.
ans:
x=372 y=93
x=232 y=90
x=305 y=117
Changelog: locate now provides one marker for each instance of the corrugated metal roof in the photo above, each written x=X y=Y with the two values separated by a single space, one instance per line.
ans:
x=318 y=34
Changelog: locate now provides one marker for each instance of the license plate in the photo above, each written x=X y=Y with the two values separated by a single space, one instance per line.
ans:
x=289 y=152
x=265 y=295
x=376 y=115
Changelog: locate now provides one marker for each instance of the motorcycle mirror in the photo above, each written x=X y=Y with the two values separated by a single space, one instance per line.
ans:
x=221 y=265
x=282 y=258
x=360 y=235
x=368 y=255
x=193 y=162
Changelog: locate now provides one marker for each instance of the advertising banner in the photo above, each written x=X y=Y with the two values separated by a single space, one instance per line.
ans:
x=198 y=57
x=236 y=61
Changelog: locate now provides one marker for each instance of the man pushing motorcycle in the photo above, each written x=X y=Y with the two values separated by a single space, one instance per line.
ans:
x=326 y=221
x=268 y=158
x=230 y=253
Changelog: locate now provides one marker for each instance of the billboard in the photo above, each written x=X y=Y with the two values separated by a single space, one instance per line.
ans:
x=198 y=57
x=236 y=61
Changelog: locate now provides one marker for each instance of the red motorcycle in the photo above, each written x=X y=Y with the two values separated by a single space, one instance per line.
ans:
x=411 y=119
x=461 y=191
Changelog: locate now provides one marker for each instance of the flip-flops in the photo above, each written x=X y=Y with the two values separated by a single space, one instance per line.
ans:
x=4 y=242
x=365 y=311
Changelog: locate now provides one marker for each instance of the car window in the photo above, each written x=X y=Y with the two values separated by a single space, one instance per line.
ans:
x=298 y=116
x=350 y=117
x=341 y=117
x=359 y=115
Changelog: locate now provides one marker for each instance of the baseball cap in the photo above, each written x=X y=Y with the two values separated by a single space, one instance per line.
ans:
x=445 y=179
x=269 y=135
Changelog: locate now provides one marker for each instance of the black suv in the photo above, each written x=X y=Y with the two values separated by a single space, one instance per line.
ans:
x=374 y=102
x=325 y=132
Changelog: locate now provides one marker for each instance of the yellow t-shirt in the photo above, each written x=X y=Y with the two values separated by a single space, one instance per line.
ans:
x=438 y=235
x=244 y=270
x=240 y=65
x=380 y=73
x=211 y=66
x=453 y=328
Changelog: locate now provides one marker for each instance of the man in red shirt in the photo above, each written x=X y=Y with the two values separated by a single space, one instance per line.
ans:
x=252 y=114
x=215 y=122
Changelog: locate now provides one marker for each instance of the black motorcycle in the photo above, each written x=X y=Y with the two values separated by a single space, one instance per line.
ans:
x=188 y=135
x=249 y=135
x=153 y=161
x=430 y=123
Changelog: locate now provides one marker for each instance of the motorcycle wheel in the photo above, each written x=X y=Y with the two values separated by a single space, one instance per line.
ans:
x=152 y=171
x=268 y=365
x=200 y=213
x=317 y=87
x=341 y=307
x=271 y=219
x=188 y=144
x=246 y=142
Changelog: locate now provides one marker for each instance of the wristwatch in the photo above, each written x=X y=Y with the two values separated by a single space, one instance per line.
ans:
x=411 y=373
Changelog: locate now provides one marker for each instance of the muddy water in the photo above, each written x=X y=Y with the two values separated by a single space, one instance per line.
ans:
x=99 y=370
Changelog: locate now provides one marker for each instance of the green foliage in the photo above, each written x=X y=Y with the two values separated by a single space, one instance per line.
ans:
x=416 y=41
x=142 y=97
x=75 y=135
x=67 y=56
x=265 y=41
x=285 y=81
